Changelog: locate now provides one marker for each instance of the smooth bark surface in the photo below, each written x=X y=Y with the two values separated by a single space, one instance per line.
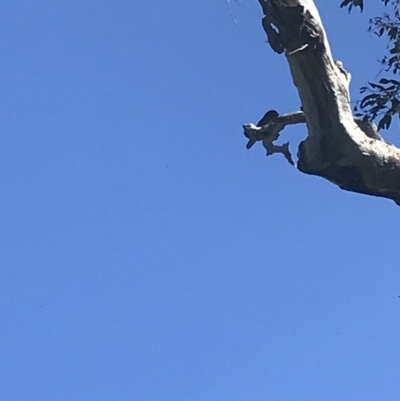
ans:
x=346 y=151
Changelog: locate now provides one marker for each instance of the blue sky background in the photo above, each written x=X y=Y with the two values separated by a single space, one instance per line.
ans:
x=145 y=253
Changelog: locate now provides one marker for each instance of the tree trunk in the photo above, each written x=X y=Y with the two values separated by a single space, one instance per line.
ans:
x=346 y=151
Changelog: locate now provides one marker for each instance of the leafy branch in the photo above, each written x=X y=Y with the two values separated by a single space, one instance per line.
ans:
x=382 y=99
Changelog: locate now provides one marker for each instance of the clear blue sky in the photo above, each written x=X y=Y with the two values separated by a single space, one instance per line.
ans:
x=145 y=254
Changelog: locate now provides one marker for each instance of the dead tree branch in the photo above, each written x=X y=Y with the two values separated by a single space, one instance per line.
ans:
x=346 y=151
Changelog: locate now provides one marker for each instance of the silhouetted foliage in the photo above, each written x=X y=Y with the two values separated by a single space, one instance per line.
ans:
x=357 y=3
x=382 y=98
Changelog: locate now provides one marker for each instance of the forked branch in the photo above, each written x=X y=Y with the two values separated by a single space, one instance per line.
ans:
x=346 y=151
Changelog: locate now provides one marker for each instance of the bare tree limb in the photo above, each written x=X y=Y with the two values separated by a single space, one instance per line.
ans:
x=268 y=131
x=346 y=151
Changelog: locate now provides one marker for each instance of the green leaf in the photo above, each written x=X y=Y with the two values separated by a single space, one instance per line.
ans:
x=352 y=3
x=376 y=86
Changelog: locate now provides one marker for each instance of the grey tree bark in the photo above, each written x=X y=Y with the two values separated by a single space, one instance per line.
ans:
x=348 y=152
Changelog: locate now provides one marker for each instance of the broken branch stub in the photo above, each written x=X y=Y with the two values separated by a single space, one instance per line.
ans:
x=346 y=151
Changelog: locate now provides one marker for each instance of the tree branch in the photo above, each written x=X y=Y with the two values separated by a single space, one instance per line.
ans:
x=268 y=131
x=346 y=151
